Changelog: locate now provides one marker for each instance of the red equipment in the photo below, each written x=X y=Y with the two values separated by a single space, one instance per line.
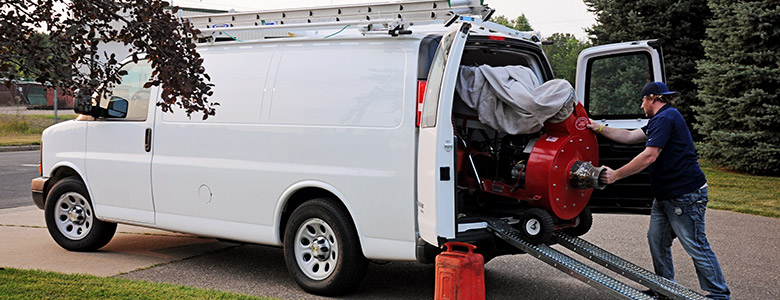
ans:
x=460 y=275
x=557 y=175
x=551 y=174
x=552 y=166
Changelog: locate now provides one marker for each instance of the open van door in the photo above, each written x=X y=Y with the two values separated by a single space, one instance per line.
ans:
x=436 y=144
x=609 y=83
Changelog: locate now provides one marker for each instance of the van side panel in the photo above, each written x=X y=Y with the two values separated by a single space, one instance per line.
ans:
x=344 y=119
x=324 y=85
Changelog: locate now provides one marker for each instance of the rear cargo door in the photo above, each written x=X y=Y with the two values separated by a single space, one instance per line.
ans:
x=609 y=81
x=435 y=160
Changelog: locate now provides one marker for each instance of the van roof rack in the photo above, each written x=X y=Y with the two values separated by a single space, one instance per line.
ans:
x=393 y=18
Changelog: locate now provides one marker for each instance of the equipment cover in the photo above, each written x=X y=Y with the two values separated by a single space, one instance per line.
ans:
x=510 y=99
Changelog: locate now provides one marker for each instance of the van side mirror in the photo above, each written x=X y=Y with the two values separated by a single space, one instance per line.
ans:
x=83 y=105
x=117 y=107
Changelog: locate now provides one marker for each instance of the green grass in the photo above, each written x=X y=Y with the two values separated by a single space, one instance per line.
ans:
x=28 y=284
x=18 y=129
x=756 y=195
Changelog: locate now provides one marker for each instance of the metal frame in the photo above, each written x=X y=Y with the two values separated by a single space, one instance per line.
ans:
x=392 y=18
x=589 y=275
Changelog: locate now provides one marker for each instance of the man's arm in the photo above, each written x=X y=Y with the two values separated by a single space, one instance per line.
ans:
x=619 y=135
x=636 y=165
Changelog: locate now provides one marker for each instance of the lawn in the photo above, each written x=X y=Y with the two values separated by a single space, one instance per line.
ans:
x=29 y=284
x=20 y=129
x=756 y=195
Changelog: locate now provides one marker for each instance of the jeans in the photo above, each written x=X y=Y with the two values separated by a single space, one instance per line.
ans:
x=683 y=217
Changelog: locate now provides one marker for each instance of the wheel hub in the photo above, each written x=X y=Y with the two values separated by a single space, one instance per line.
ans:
x=73 y=216
x=316 y=249
x=532 y=226
x=320 y=248
x=76 y=215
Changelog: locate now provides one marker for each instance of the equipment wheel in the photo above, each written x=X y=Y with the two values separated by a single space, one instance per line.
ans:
x=582 y=223
x=537 y=226
x=322 y=249
x=71 y=219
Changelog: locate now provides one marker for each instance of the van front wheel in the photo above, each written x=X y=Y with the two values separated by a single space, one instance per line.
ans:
x=71 y=220
x=322 y=249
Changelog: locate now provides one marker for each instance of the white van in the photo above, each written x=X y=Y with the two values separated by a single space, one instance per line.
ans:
x=338 y=149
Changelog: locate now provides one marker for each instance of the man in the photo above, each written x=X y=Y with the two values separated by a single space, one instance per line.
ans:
x=678 y=186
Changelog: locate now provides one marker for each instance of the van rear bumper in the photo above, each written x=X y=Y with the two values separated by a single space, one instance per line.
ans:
x=38 y=186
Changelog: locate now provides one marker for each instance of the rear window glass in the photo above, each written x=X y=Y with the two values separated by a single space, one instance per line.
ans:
x=615 y=83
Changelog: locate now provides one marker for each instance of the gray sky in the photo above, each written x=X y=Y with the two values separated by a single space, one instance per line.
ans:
x=546 y=16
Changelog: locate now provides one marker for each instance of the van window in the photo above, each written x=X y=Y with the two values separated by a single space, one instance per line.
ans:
x=431 y=104
x=615 y=83
x=130 y=96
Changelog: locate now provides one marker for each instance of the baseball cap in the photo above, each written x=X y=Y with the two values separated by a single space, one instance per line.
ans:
x=656 y=88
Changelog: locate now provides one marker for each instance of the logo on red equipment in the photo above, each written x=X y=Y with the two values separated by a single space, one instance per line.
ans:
x=581 y=123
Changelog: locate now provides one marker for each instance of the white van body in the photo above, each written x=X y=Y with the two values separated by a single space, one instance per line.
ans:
x=299 y=118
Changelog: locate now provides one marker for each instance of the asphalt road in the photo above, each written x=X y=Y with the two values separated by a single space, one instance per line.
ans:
x=746 y=246
x=17 y=169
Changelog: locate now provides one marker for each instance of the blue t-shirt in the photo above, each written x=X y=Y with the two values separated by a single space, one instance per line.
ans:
x=676 y=170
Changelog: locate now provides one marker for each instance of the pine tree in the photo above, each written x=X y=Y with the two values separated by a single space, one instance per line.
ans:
x=562 y=50
x=678 y=24
x=521 y=23
x=740 y=87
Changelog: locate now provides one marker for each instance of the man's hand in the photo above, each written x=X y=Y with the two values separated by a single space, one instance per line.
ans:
x=607 y=176
x=594 y=126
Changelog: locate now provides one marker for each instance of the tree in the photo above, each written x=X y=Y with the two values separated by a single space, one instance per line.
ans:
x=740 y=87
x=521 y=23
x=71 y=60
x=562 y=50
x=678 y=24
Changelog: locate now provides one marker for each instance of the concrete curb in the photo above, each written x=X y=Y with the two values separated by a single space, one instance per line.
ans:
x=20 y=148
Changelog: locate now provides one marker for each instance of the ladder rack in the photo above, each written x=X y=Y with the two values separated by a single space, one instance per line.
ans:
x=369 y=17
x=408 y=11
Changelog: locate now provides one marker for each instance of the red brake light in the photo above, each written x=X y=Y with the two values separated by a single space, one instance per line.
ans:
x=421 y=85
x=497 y=38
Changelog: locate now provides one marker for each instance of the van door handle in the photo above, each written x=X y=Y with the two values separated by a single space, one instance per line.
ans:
x=448 y=145
x=148 y=140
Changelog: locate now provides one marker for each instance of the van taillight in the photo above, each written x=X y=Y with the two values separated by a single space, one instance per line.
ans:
x=497 y=38
x=421 y=85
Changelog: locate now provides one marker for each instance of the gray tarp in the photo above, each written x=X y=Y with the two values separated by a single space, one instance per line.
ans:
x=511 y=100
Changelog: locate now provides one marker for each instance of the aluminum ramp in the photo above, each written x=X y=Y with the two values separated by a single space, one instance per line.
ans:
x=625 y=268
x=588 y=274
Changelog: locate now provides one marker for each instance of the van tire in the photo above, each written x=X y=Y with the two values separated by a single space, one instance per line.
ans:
x=71 y=219
x=316 y=225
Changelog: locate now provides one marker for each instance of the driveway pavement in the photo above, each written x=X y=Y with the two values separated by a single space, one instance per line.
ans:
x=746 y=245
x=26 y=244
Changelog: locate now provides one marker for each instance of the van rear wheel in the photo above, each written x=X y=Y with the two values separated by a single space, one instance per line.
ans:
x=71 y=219
x=322 y=249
